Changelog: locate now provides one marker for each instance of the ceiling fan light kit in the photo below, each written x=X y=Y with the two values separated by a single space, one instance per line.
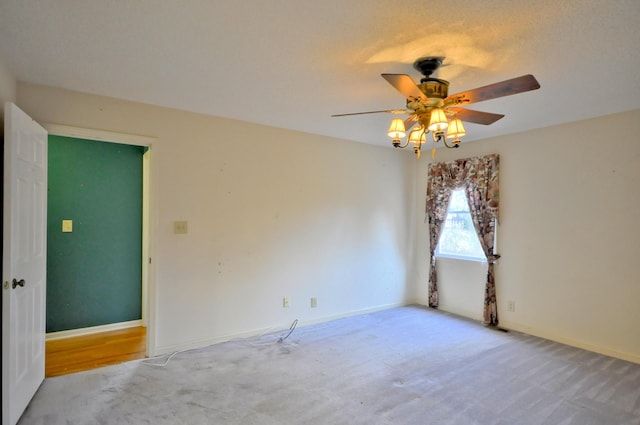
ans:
x=397 y=131
x=456 y=131
x=433 y=110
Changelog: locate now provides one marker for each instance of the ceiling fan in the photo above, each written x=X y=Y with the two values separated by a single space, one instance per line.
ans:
x=433 y=110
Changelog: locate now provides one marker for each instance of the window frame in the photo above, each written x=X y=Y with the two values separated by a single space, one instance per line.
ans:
x=440 y=254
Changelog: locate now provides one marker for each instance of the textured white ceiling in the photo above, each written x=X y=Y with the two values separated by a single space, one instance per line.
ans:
x=293 y=63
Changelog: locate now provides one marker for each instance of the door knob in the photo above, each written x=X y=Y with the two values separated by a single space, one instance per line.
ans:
x=16 y=282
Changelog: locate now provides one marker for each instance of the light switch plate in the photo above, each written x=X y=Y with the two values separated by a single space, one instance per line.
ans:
x=67 y=226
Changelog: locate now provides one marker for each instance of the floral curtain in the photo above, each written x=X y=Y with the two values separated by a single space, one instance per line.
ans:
x=479 y=177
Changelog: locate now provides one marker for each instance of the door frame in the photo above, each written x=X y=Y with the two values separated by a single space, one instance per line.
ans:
x=148 y=207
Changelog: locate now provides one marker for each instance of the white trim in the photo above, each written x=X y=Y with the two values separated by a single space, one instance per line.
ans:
x=146 y=256
x=473 y=315
x=461 y=257
x=99 y=135
x=516 y=327
x=92 y=330
x=630 y=357
x=210 y=341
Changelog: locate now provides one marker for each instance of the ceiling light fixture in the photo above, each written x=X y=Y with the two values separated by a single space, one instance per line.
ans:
x=397 y=132
x=439 y=126
x=432 y=110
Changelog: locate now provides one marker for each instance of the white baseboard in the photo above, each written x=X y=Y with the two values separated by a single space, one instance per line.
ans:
x=159 y=351
x=462 y=312
x=630 y=357
x=93 y=329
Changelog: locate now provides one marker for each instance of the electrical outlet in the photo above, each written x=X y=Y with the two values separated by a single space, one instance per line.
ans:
x=511 y=306
x=180 y=227
x=314 y=302
x=285 y=302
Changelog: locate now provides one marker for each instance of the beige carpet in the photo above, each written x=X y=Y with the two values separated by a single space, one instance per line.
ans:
x=408 y=365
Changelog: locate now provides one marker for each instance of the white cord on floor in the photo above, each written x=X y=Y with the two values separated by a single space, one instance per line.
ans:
x=291 y=329
x=167 y=360
x=175 y=353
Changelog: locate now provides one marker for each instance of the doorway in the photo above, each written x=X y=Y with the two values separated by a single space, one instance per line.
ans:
x=94 y=234
x=98 y=274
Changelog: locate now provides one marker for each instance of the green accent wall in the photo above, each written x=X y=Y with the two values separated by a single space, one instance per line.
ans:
x=94 y=273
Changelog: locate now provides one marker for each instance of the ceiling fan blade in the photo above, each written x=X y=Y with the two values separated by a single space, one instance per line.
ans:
x=389 y=111
x=492 y=91
x=405 y=85
x=476 y=117
x=410 y=122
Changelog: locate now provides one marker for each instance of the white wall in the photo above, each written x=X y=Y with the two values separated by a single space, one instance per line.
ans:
x=569 y=235
x=276 y=213
x=271 y=213
x=7 y=88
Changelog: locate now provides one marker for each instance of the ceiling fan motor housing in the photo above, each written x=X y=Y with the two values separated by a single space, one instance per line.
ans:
x=431 y=87
x=434 y=88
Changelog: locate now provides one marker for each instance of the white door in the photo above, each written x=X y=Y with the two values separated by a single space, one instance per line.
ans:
x=24 y=261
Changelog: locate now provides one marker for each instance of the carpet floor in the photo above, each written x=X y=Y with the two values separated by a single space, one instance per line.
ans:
x=408 y=365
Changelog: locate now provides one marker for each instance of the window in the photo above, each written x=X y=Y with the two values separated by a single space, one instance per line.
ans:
x=459 y=238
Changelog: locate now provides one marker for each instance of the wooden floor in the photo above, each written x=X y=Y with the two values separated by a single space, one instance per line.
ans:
x=75 y=354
